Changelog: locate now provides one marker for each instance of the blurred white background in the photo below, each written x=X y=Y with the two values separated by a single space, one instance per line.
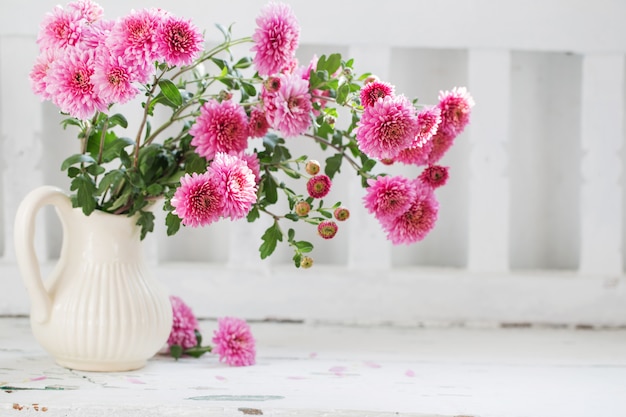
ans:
x=531 y=226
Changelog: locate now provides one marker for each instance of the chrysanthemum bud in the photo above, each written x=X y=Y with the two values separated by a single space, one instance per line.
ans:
x=302 y=208
x=225 y=95
x=387 y=161
x=306 y=262
x=330 y=120
x=312 y=167
x=327 y=229
x=318 y=186
x=341 y=214
x=370 y=79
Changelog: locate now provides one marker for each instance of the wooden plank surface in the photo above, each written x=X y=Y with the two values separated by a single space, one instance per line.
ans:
x=315 y=370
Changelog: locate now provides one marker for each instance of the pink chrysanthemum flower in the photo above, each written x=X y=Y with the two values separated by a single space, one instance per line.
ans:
x=415 y=155
x=95 y=35
x=70 y=87
x=372 y=91
x=234 y=342
x=275 y=38
x=387 y=127
x=184 y=325
x=456 y=107
x=441 y=142
x=220 y=127
x=113 y=80
x=417 y=221
x=134 y=38
x=388 y=197
x=179 y=41
x=60 y=29
x=253 y=163
x=428 y=120
x=39 y=72
x=434 y=176
x=87 y=9
x=258 y=123
x=238 y=184
x=327 y=229
x=318 y=186
x=199 y=200
x=289 y=109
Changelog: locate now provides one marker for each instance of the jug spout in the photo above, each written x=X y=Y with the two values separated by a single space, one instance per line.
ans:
x=24 y=234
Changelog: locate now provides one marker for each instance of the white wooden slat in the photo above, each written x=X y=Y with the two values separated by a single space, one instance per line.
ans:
x=527 y=25
x=20 y=121
x=368 y=248
x=602 y=135
x=489 y=78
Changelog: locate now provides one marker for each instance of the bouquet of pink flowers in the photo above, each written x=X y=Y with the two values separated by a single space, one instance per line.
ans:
x=231 y=125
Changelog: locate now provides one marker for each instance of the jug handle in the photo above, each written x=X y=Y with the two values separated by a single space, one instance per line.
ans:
x=24 y=234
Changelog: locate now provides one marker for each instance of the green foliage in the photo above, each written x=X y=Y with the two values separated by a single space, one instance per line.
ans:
x=270 y=238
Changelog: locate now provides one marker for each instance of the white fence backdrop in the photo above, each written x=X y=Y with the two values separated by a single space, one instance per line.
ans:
x=531 y=227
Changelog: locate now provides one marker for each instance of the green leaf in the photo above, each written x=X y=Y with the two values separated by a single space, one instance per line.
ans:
x=146 y=221
x=304 y=246
x=154 y=189
x=111 y=178
x=197 y=351
x=72 y=172
x=270 y=239
x=76 y=159
x=125 y=159
x=368 y=165
x=292 y=216
x=243 y=63
x=333 y=163
x=270 y=189
x=176 y=351
x=291 y=234
x=172 y=222
x=194 y=163
x=249 y=88
x=333 y=62
x=71 y=121
x=220 y=63
x=118 y=120
x=253 y=214
x=112 y=150
x=95 y=169
x=85 y=190
x=297 y=258
x=122 y=200
x=171 y=92
x=222 y=29
x=342 y=94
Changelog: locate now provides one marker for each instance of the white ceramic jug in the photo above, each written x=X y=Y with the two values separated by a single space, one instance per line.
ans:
x=101 y=309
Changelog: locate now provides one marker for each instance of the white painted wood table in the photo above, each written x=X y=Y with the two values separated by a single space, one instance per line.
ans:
x=323 y=370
